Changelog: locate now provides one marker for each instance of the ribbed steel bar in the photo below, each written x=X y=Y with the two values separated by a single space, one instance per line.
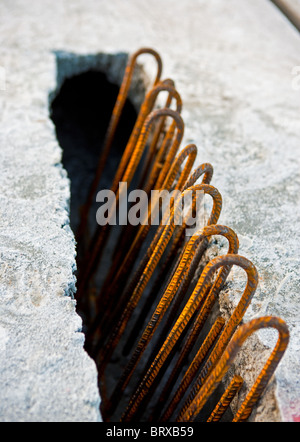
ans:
x=97 y=242
x=156 y=149
x=196 y=299
x=182 y=272
x=226 y=399
x=171 y=262
x=107 y=301
x=113 y=124
x=126 y=265
x=206 y=170
x=146 y=109
x=191 y=372
x=200 y=319
x=231 y=325
x=109 y=289
x=228 y=357
x=153 y=262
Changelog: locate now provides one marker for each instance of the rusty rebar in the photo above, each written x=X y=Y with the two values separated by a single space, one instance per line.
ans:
x=113 y=124
x=191 y=372
x=109 y=287
x=233 y=322
x=159 y=143
x=228 y=357
x=226 y=399
x=138 y=273
x=196 y=299
x=114 y=285
x=100 y=236
x=200 y=319
x=160 y=246
x=176 y=250
x=145 y=111
x=181 y=274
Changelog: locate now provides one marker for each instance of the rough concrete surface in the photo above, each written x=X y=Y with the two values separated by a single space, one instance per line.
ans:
x=232 y=63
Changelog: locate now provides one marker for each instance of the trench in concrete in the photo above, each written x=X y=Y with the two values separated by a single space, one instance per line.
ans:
x=80 y=109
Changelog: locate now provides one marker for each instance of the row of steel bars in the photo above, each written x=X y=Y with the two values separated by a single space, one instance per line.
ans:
x=101 y=235
x=112 y=127
x=105 y=314
x=197 y=309
x=221 y=352
x=199 y=298
x=188 y=154
x=176 y=287
x=132 y=154
x=122 y=265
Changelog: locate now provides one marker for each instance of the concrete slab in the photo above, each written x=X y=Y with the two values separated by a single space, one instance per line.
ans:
x=234 y=64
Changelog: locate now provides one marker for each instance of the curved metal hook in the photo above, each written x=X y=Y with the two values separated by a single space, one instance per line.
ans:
x=101 y=234
x=195 y=300
x=226 y=360
x=146 y=109
x=191 y=372
x=189 y=153
x=205 y=169
x=148 y=266
x=114 y=121
x=234 y=320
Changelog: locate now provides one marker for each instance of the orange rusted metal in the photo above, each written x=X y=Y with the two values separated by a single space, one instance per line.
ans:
x=97 y=242
x=168 y=263
x=175 y=286
x=119 y=275
x=226 y=399
x=180 y=304
x=113 y=124
x=159 y=246
x=108 y=290
x=226 y=360
x=191 y=372
x=197 y=298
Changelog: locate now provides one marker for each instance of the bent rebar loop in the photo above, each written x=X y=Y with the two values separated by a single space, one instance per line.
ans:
x=233 y=322
x=145 y=111
x=96 y=246
x=191 y=372
x=120 y=270
x=108 y=290
x=177 y=248
x=181 y=274
x=205 y=169
x=159 y=246
x=228 y=357
x=147 y=107
x=198 y=297
x=159 y=142
x=186 y=276
x=189 y=153
x=114 y=121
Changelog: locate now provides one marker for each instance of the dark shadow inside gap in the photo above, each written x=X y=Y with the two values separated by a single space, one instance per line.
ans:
x=81 y=113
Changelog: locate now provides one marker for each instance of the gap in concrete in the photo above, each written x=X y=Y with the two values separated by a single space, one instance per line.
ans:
x=81 y=109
